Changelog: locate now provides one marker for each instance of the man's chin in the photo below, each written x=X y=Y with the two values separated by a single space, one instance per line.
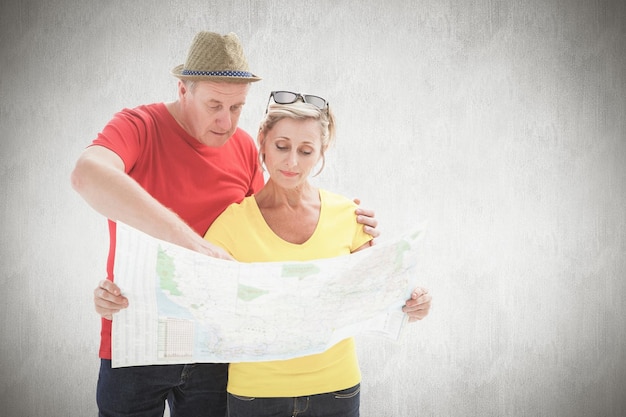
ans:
x=215 y=140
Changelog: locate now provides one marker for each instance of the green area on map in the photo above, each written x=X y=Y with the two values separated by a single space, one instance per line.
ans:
x=247 y=293
x=299 y=270
x=165 y=271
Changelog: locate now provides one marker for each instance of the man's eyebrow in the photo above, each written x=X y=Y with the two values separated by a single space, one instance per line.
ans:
x=216 y=101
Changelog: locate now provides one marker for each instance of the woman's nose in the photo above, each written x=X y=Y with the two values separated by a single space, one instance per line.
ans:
x=292 y=158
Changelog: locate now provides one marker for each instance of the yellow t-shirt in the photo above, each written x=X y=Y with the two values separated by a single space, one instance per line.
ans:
x=242 y=231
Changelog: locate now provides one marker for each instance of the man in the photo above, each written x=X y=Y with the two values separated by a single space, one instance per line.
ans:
x=169 y=169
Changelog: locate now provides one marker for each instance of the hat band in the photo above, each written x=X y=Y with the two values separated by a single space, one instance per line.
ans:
x=244 y=74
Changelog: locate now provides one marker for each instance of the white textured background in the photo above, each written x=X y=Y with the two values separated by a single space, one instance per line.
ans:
x=499 y=123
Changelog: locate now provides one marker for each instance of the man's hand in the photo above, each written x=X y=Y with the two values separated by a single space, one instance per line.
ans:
x=367 y=219
x=207 y=248
x=418 y=306
x=108 y=299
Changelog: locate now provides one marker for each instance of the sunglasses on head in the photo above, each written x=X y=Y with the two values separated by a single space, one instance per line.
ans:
x=287 y=97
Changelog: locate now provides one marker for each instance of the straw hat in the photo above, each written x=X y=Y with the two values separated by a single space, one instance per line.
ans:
x=213 y=57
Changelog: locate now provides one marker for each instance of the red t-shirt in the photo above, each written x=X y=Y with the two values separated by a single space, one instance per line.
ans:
x=194 y=180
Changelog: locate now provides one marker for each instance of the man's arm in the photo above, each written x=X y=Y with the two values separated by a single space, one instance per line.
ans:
x=100 y=179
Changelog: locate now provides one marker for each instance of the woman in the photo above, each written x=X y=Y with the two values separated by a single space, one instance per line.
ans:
x=290 y=219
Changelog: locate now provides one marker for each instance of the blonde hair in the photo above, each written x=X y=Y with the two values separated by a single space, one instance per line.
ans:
x=299 y=111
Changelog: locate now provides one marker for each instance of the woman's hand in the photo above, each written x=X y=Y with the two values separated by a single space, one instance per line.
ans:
x=418 y=306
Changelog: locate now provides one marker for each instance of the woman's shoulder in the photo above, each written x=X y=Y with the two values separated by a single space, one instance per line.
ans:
x=244 y=206
x=236 y=216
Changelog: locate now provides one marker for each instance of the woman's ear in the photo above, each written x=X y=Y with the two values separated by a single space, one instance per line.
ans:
x=260 y=140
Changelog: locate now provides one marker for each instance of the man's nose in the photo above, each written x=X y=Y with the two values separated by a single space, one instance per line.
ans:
x=225 y=119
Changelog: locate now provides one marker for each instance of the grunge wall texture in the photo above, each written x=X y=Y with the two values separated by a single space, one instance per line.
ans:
x=500 y=125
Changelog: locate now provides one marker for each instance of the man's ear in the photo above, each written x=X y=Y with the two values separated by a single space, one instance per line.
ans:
x=182 y=89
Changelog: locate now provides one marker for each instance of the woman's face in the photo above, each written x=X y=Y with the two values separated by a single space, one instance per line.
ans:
x=292 y=148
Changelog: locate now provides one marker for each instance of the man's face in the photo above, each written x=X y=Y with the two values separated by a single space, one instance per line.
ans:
x=210 y=111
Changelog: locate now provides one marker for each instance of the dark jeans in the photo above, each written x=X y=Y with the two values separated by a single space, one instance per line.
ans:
x=141 y=391
x=343 y=403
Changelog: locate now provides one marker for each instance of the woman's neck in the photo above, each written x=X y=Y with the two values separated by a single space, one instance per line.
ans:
x=271 y=196
x=292 y=214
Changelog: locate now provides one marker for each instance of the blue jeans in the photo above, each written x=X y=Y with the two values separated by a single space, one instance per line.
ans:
x=344 y=403
x=141 y=391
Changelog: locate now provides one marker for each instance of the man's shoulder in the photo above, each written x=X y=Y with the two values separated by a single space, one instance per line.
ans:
x=142 y=117
x=144 y=111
